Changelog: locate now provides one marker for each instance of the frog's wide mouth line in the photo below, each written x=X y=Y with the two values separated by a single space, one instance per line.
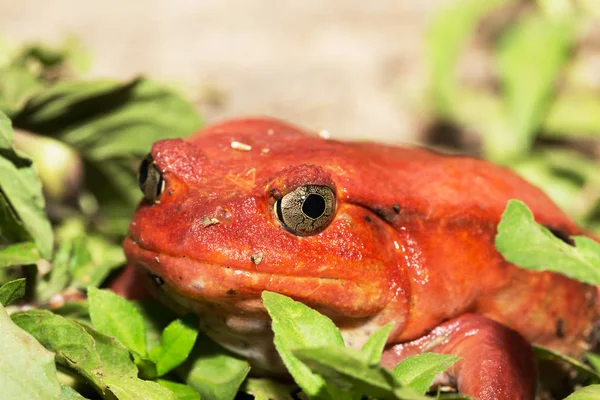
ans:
x=205 y=281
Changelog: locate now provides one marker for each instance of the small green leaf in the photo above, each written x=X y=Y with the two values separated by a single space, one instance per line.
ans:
x=420 y=370
x=594 y=360
x=591 y=392
x=373 y=348
x=176 y=343
x=214 y=372
x=544 y=353
x=296 y=326
x=267 y=389
x=347 y=369
x=115 y=316
x=529 y=245
x=181 y=391
x=19 y=254
x=12 y=291
x=27 y=370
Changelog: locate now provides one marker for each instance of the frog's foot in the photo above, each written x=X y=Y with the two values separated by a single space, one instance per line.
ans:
x=497 y=362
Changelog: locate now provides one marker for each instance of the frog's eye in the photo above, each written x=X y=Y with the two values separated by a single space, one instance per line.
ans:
x=150 y=179
x=307 y=210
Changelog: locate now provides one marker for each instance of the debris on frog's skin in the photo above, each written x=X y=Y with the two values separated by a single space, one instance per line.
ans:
x=396 y=208
x=256 y=258
x=324 y=134
x=240 y=146
x=265 y=150
x=157 y=260
x=157 y=279
x=207 y=221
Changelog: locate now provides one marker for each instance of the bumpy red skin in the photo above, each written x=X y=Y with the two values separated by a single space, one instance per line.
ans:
x=428 y=261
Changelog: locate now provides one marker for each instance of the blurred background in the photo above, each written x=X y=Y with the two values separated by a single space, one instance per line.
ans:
x=346 y=66
x=513 y=81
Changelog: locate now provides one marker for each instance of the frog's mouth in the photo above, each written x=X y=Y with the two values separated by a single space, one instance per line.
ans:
x=239 y=290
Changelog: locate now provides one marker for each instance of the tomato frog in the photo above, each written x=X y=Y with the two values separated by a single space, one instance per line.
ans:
x=366 y=234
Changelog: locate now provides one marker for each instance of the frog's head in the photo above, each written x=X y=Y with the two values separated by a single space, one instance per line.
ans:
x=254 y=205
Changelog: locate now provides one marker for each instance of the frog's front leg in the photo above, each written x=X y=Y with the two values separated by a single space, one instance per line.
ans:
x=497 y=362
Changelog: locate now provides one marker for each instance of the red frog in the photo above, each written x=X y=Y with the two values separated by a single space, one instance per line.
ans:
x=365 y=233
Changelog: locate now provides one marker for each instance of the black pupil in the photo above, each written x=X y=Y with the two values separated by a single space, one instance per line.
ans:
x=313 y=206
x=143 y=172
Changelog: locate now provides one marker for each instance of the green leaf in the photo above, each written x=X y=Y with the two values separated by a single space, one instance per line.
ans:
x=420 y=370
x=22 y=191
x=447 y=36
x=347 y=369
x=529 y=245
x=594 y=360
x=181 y=391
x=267 y=389
x=107 y=120
x=16 y=87
x=176 y=343
x=73 y=346
x=543 y=353
x=99 y=358
x=116 y=316
x=27 y=370
x=573 y=114
x=95 y=258
x=68 y=393
x=529 y=59
x=114 y=357
x=19 y=254
x=214 y=372
x=296 y=326
x=591 y=392
x=373 y=347
x=127 y=388
x=156 y=318
x=12 y=291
